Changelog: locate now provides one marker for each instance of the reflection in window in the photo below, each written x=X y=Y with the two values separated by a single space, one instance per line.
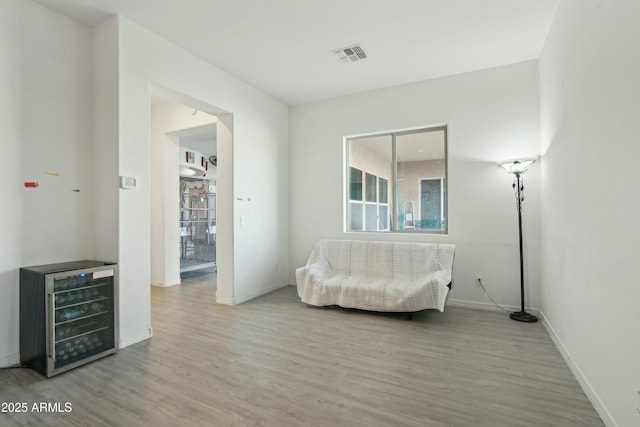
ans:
x=371 y=187
x=356 y=216
x=355 y=184
x=416 y=162
x=382 y=194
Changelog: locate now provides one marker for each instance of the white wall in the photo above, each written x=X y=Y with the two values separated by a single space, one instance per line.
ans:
x=166 y=118
x=589 y=265
x=46 y=111
x=492 y=115
x=57 y=124
x=255 y=167
x=63 y=86
x=105 y=137
x=10 y=180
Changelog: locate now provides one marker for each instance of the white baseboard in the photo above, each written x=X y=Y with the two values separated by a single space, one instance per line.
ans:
x=582 y=380
x=127 y=343
x=166 y=285
x=487 y=306
x=250 y=296
x=224 y=300
x=10 y=360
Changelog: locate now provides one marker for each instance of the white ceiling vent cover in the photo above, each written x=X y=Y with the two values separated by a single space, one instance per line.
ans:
x=350 y=53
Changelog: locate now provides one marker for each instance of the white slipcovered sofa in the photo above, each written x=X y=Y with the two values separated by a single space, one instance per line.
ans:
x=377 y=276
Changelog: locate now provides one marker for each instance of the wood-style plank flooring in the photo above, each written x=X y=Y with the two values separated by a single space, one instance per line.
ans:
x=275 y=362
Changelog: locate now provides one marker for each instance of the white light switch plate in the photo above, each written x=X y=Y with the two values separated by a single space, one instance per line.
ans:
x=127 y=182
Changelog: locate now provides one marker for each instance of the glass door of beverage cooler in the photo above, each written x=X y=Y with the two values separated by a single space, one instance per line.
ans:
x=81 y=312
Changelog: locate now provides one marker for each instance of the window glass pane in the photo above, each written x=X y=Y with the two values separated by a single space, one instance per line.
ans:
x=355 y=216
x=409 y=195
x=421 y=159
x=431 y=204
x=382 y=190
x=370 y=187
x=383 y=217
x=355 y=184
x=371 y=216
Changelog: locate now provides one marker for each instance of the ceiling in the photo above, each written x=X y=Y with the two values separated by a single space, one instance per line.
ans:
x=201 y=138
x=205 y=143
x=284 y=47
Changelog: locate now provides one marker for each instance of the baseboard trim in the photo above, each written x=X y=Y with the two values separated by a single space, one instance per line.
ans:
x=259 y=292
x=127 y=343
x=577 y=373
x=250 y=296
x=487 y=306
x=224 y=300
x=10 y=360
x=166 y=285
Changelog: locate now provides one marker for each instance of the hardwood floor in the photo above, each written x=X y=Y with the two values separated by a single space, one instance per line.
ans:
x=275 y=362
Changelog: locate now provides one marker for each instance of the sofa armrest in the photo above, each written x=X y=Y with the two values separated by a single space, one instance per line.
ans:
x=315 y=272
x=301 y=278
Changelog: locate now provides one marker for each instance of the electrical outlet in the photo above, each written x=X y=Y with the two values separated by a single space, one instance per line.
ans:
x=478 y=280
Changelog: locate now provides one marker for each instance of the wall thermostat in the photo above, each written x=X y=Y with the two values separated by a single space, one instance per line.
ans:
x=127 y=182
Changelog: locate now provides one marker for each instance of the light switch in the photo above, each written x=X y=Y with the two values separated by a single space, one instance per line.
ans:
x=127 y=182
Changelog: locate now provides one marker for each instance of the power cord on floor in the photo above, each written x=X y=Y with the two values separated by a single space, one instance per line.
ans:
x=479 y=280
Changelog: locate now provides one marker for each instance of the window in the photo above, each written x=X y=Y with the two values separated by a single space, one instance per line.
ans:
x=371 y=213
x=416 y=162
x=355 y=199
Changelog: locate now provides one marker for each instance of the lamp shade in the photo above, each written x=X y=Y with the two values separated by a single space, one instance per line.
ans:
x=517 y=166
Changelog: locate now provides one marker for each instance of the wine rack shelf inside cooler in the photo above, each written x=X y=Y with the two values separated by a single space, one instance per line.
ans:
x=81 y=317
x=68 y=314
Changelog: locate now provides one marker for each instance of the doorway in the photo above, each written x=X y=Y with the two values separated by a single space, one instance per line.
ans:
x=179 y=124
x=198 y=199
x=431 y=206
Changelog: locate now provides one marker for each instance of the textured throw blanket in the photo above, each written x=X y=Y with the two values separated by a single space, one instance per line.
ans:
x=377 y=276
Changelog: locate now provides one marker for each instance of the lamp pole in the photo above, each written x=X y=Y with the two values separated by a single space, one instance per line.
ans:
x=522 y=315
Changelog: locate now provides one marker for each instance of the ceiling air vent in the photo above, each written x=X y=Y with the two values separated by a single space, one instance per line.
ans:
x=350 y=53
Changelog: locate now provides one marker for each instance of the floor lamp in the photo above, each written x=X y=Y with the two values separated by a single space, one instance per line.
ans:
x=517 y=168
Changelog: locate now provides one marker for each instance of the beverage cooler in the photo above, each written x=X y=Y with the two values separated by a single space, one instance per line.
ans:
x=68 y=314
